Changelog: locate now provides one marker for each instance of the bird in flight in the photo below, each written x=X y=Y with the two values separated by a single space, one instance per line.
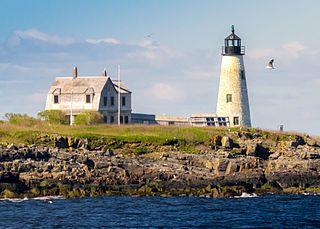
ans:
x=270 y=64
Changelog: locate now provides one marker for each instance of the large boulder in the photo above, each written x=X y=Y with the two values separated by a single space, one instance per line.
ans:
x=61 y=142
x=298 y=140
x=9 y=177
x=227 y=142
x=257 y=150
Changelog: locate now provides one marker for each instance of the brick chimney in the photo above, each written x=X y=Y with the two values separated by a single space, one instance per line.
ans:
x=75 y=72
x=104 y=73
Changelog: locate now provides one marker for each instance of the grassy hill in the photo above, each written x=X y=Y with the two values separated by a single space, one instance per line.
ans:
x=186 y=137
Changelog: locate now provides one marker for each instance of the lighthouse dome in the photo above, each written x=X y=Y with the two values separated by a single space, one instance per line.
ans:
x=232 y=45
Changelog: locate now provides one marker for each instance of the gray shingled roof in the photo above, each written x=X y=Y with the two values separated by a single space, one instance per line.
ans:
x=82 y=84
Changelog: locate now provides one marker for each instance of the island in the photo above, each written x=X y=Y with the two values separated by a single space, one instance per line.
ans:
x=140 y=160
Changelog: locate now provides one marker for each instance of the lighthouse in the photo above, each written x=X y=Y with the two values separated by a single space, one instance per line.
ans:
x=233 y=101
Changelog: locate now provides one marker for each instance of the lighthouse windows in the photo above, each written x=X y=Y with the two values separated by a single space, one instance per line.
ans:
x=229 y=98
x=243 y=76
x=235 y=121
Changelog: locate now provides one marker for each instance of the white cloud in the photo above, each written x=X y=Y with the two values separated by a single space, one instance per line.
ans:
x=152 y=51
x=288 y=51
x=165 y=92
x=23 y=70
x=260 y=53
x=293 y=49
x=34 y=34
x=107 y=40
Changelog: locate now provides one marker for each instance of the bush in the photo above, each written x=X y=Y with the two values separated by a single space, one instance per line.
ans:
x=88 y=118
x=20 y=119
x=53 y=116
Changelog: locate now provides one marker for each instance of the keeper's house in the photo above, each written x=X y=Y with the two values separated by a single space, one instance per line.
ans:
x=90 y=93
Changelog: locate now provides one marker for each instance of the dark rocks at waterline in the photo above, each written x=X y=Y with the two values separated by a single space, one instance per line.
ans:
x=77 y=167
x=13 y=153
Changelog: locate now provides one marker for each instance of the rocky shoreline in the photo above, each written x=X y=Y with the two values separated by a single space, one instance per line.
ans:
x=233 y=163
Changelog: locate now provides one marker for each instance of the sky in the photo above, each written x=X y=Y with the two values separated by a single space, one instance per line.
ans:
x=175 y=71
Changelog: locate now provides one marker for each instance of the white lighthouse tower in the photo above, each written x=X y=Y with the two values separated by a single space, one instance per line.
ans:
x=233 y=101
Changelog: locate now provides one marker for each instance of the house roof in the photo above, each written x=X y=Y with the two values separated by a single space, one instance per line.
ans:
x=204 y=115
x=83 y=84
x=123 y=87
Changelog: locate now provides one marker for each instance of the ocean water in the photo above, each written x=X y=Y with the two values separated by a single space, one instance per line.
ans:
x=273 y=211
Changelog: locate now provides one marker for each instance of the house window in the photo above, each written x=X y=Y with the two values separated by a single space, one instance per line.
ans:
x=88 y=98
x=105 y=101
x=112 y=100
x=123 y=101
x=121 y=119
x=229 y=98
x=105 y=119
x=111 y=119
x=126 y=119
x=56 y=99
x=243 y=75
x=235 y=120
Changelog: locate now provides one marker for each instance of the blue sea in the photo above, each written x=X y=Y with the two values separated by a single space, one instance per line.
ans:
x=272 y=211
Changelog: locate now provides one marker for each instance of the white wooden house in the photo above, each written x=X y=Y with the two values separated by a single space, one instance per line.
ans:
x=90 y=93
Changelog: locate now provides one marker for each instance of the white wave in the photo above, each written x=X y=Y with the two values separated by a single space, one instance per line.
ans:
x=49 y=198
x=310 y=194
x=246 y=195
x=42 y=198
x=14 y=200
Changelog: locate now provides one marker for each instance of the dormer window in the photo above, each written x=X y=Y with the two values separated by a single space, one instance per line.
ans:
x=56 y=95
x=89 y=95
x=56 y=99
x=88 y=98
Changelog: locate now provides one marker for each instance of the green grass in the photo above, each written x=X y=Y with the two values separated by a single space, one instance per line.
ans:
x=129 y=133
x=186 y=137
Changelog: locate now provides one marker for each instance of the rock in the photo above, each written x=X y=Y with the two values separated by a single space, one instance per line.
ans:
x=202 y=148
x=8 y=194
x=171 y=142
x=227 y=142
x=311 y=142
x=262 y=152
x=215 y=141
x=297 y=141
x=230 y=169
x=257 y=150
x=245 y=135
x=61 y=142
x=9 y=177
x=90 y=163
x=12 y=147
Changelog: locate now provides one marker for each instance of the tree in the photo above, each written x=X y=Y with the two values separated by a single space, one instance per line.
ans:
x=88 y=118
x=20 y=119
x=53 y=116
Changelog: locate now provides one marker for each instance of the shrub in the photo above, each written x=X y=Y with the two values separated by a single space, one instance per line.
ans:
x=20 y=119
x=53 y=116
x=88 y=118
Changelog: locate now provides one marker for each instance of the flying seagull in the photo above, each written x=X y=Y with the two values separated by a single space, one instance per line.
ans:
x=270 y=64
